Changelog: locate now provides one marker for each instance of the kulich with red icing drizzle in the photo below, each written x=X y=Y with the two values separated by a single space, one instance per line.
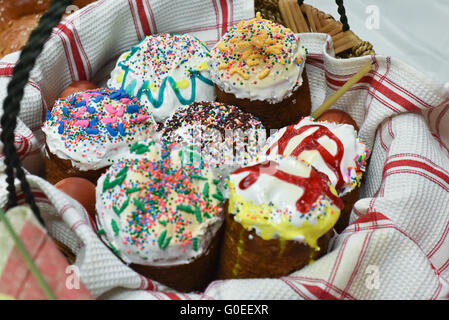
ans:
x=331 y=148
x=285 y=199
x=314 y=185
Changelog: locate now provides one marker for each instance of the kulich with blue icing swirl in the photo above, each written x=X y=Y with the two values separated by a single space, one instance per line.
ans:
x=94 y=128
x=164 y=72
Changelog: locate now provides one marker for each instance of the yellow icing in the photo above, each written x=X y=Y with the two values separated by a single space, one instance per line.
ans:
x=251 y=215
x=152 y=87
x=182 y=84
x=240 y=243
x=203 y=66
x=120 y=77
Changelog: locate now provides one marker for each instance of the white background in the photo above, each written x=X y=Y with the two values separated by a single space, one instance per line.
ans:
x=414 y=31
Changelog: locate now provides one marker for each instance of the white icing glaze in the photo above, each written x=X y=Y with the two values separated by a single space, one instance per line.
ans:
x=350 y=168
x=94 y=151
x=283 y=78
x=146 y=250
x=268 y=203
x=165 y=62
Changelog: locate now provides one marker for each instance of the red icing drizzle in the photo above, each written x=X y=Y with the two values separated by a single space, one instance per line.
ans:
x=314 y=186
x=311 y=143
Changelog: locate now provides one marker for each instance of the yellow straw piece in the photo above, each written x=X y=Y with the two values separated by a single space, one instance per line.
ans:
x=340 y=92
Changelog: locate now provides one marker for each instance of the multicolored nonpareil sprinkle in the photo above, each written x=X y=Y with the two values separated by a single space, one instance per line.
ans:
x=254 y=49
x=165 y=71
x=91 y=126
x=220 y=131
x=159 y=201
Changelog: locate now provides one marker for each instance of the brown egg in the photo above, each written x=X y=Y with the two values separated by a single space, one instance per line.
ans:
x=81 y=190
x=338 y=116
x=77 y=86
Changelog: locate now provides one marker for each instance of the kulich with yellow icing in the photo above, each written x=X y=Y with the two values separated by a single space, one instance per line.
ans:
x=331 y=148
x=164 y=72
x=94 y=128
x=258 y=60
x=284 y=199
x=160 y=207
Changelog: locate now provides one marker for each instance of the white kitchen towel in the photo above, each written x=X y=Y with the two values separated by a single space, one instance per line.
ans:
x=397 y=246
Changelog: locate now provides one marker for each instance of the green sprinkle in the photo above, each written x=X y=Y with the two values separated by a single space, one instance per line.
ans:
x=199 y=177
x=162 y=242
x=101 y=232
x=115 y=227
x=139 y=205
x=122 y=208
x=132 y=190
x=195 y=244
x=198 y=214
x=157 y=193
x=114 y=249
x=206 y=190
x=141 y=148
x=166 y=243
x=218 y=196
x=187 y=209
x=121 y=176
x=161 y=238
x=216 y=181
x=164 y=223
x=206 y=215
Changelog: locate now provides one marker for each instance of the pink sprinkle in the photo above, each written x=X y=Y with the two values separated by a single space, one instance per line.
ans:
x=85 y=96
x=80 y=112
x=140 y=119
x=107 y=120
x=110 y=109
x=82 y=123
x=120 y=112
x=125 y=101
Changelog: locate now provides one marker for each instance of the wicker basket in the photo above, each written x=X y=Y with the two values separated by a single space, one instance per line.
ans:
x=312 y=20
x=305 y=18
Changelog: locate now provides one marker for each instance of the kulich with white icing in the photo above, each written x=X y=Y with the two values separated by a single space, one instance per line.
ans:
x=331 y=148
x=94 y=128
x=164 y=72
x=160 y=207
x=258 y=60
x=285 y=199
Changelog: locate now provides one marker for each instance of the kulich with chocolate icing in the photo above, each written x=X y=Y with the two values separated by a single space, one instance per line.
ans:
x=161 y=211
x=226 y=136
x=87 y=131
x=258 y=65
x=279 y=218
x=165 y=72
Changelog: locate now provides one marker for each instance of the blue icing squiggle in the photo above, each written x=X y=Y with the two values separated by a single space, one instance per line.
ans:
x=157 y=102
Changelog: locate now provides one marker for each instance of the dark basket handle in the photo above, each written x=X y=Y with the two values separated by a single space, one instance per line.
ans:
x=341 y=11
x=11 y=105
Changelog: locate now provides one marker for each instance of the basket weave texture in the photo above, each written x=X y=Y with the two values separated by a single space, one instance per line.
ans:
x=317 y=21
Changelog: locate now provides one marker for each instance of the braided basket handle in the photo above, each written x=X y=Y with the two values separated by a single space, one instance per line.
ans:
x=11 y=105
x=341 y=11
